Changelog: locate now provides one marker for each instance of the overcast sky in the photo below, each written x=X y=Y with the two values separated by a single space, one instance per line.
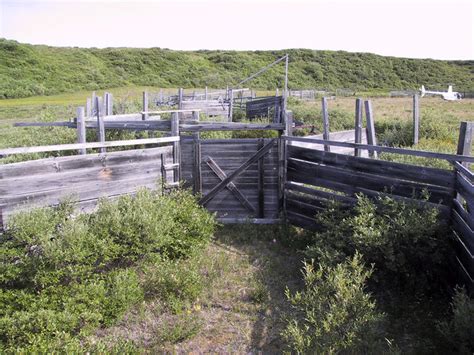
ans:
x=440 y=29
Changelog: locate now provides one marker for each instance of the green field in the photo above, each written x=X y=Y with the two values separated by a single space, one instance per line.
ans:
x=393 y=117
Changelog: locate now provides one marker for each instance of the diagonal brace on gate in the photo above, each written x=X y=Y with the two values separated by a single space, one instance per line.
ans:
x=220 y=186
x=230 y=186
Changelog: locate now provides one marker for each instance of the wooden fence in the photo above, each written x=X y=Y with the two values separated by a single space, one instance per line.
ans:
x=271 y=106
x=85 y=178
x=252 y=179
x=463 y=222
x=314 y=177
x=253 y=193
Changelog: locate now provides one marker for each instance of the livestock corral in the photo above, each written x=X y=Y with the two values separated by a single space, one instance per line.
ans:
x=296 y=164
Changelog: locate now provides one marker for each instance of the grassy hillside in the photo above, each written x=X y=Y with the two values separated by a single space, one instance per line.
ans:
x=28 y=70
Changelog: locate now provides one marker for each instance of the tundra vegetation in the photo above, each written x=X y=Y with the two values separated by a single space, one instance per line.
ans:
x=155 y=273
x=31 y=70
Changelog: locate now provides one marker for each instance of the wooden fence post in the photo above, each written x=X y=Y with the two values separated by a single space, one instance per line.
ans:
x=466 y=130
x=324 y=109
x=111 y=103
x=88 y=107
x=81 y=129
x=176 y=152
x=289 y=123
x=94 y=104
x=370 y=127
x=100 y=123
x=416 y=118
x=145 y=106
x=205 y=93
x=261 y=186
x=197 y=158
x=104 y=104
x=231 y=104
x=358 y=126
x=180 y=98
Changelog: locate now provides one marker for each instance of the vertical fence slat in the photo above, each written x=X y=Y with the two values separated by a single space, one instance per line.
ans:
x=358 y=126
x=197 y=175
x=81 y=129
x=100 y=123
x=176 y=150
x=145 y=105
x=180 y=98
x=94 y=104
x=466 y=130
x=370 y=127
x=231 y=104
x=324 y=110
x=88 y=107
x=261 y=176
x=416 y=118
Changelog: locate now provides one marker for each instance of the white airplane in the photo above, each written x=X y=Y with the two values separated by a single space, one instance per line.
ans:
x=449 y=95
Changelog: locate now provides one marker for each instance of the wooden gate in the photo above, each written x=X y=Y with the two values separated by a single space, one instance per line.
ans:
x=237 y=178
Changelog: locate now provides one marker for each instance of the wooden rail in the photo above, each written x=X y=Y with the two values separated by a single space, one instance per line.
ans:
x=74 y=146
x=163 y=125
x=463 y=223
x=377 y=148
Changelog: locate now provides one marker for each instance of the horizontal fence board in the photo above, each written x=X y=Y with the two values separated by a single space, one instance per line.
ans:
x=468 y=174
x=463 y=213
x=468 y=280
x=234 y=141
x=352 y=190
x=291 y=186
x=73 y=162
x=300 y=207
x=27 y=184
x=466 y=190
x=84 y=178
x=230 y=126
x=407 y=172
x=465 y=256
x=230 y=220
x=464 y=232
x=300 y=220
x=79 y=193
x=378 y=148
x=92 y=145
x=300 y=170
x=314 y=200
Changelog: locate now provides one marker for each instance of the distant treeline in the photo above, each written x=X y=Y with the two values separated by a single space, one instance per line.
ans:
x=29 y=70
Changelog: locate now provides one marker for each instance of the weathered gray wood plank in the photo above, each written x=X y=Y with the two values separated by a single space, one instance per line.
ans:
x=419 y=153
x=421 y=174
x=231 y=186
x=304 y=172
x=236 y=173
x=92 y=145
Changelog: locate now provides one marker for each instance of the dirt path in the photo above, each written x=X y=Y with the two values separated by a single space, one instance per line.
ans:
x=242 y=312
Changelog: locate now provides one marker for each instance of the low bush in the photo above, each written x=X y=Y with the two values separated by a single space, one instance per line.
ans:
x=458 y=331
x=62 y=276
x=336 y=313
x=384 y=232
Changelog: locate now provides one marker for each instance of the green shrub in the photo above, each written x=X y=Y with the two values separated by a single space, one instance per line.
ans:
x=458 y=332
x=336 y=314
x=406 y=242
x=64 y=276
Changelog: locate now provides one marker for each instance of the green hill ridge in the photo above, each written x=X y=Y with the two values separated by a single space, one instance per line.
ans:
x=29 y=70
